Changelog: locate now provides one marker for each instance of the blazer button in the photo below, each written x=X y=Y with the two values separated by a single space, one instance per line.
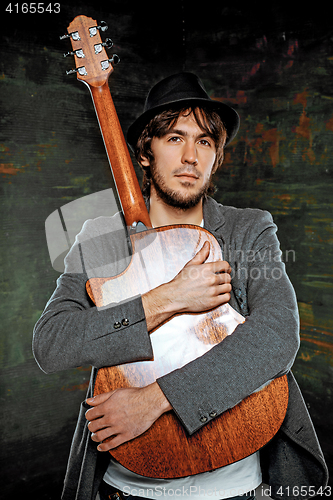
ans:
x=213 y=414
x=125 y=322
x=203 y=419
x=117 y=325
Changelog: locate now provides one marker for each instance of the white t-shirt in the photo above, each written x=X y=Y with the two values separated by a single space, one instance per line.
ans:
x=229 y=481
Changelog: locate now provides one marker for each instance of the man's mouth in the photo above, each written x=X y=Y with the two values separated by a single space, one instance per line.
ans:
x=187 y=175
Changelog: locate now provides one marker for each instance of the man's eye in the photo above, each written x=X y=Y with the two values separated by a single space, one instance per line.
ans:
x=205 y=142
x=174 y=139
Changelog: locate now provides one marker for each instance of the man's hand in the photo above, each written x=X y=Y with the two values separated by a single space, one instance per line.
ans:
x=198 y=287
x=124 y=414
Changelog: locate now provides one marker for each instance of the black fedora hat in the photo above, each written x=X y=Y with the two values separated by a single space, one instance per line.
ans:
x=181 y=89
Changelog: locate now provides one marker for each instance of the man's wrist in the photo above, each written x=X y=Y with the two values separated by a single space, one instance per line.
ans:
x=158 y=306
x=158 y=398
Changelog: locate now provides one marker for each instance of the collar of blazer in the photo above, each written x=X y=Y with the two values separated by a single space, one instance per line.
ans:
x=213 y=216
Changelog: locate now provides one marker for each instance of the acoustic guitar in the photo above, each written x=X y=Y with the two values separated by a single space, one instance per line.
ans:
x=166 y=450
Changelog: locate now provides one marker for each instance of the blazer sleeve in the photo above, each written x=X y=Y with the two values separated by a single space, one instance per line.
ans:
x=260 y=349
x=72 y=331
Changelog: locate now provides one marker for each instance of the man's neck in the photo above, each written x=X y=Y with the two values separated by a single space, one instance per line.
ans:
x=162 y=214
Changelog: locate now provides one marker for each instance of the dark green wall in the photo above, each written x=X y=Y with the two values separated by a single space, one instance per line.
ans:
x=275 y=65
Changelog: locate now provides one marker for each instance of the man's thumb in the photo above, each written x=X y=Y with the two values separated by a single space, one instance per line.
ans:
x=201 y=256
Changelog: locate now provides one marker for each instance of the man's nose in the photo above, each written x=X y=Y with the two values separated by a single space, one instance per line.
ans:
x=190 y=153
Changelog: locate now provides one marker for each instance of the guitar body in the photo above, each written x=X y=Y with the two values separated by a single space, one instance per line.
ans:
x=158 y=255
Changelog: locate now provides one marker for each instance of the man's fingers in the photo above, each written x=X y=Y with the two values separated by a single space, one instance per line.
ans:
x=100 y=398
x=112 y=443
x=96 y=425
x=216 y=272
x=221 y=266
x=223 y=277
x=110 y=438
x=105 y=446
x=225 y=289
x=103 y=434
x=96 y=401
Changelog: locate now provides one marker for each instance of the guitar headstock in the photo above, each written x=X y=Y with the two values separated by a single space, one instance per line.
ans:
x=93 y=65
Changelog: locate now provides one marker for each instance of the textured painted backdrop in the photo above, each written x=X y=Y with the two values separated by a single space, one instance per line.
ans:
x=274 y=64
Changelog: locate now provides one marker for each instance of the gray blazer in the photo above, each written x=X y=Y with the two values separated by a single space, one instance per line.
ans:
x=72 y=332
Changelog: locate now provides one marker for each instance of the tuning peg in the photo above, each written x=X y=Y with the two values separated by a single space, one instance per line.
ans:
x=103 y=27
x=77 y=53
x=108 y=43
x=75 y=36
x=81 y=70
x=115 y=59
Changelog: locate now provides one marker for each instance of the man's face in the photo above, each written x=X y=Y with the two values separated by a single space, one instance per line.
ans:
x=184 y=159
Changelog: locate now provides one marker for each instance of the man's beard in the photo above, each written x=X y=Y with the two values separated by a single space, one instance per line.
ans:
x=174 y=198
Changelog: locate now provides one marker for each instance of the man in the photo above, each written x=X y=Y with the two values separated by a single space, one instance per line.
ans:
x=179 y=142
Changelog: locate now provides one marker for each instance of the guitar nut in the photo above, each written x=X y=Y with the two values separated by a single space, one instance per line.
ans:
x=213 y=414
x=125 y=322
x=117 y=325
x=203 y=419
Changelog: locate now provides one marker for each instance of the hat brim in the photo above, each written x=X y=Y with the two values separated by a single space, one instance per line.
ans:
x=229 y=117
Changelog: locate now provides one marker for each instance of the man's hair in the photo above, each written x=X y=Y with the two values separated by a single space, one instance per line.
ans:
x=207 y=119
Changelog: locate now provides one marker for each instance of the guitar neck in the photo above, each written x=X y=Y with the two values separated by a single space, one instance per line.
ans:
x=129 y=192
x=94 y=69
